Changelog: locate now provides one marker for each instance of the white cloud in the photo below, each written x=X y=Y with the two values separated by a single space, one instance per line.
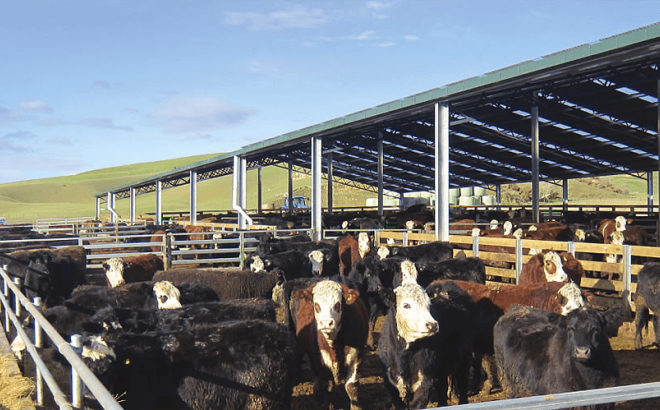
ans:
x=365 y=35
x=200 y=114
x=107 y=123
x=35 y=106
x=59 y=141
x=8 y=116
x=294 y=17
x=411 y=38
x=386 y=44
x=15 y=142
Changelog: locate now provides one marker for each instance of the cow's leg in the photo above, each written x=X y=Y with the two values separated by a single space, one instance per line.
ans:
x=461 y=379
x=641 y=320
x=352 y=363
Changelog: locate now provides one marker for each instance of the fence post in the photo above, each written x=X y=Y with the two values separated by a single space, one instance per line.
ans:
x=627 y=272
x=17 y=303
x=38 y=335
x=241 y=250
x=6 y=291
x=167 y=250
x=475 y=246
x=76 y=383
x=405 y=238
x=519 y=258
x=571 y=248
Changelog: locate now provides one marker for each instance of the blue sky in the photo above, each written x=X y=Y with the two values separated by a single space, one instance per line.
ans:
x=99 y=83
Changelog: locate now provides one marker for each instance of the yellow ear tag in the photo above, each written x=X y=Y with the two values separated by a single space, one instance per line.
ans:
x=349 y=298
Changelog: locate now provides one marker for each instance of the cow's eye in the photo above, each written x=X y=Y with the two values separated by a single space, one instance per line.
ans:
x=337 y=307
x=317 y=308
x=406 y=305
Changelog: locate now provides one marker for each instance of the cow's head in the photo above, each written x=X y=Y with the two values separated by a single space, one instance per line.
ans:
x=580 y=235
x=410 y=225
x=518 y=233
x=383 y=251
x=553 y=269
x=571 y=298
x=95 y=348
x=413 y=313
x=328 y=298
x=167 y=295
x=114 y=272
x=429 y=227
x=316 y=258
x=620 y=222
x=586 y=334
x=616 y=238
x=476 y=232
x=494 y=223
x=508 y=227
x=364 y=244
x=257 y=264
x=408 y=272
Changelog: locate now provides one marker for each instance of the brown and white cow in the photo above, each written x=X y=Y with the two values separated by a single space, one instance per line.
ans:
x=129 y=270
x=607 y=226
x=332 y=328
x=545 y=267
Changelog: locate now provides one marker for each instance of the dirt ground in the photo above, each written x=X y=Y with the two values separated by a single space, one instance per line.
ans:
x=635 y=367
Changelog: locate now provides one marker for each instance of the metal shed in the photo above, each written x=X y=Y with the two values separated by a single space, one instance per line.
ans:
x=588 y=111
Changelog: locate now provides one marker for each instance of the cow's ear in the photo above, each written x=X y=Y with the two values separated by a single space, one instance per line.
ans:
x=394 y=250
x=327 y=256
x=105 y=266
x=305 y=294
x=351 y=295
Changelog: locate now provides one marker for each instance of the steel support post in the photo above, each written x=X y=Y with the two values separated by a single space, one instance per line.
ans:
x=193 y=197
x=110 y=205
x=243 y=193
x=380 y=173
x=159 y=202
x=98 y=208
x=657 y=129
x=564 y=186
x=498 y=197
x=131 y=205
x=290 y=196
x=330 y=174
x=442 y=172
x=259 y=191
x=649 y=191
x=535 y=165
x=317 y=205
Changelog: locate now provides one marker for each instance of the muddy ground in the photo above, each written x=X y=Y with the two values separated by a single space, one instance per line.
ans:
x=635 y=367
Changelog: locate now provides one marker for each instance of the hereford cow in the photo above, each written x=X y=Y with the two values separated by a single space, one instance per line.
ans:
x=607 y=226
x=545 y=267
x=424 y=341
x=351 y=250
x=539 y=352
x=332 y=329
x=137 y=269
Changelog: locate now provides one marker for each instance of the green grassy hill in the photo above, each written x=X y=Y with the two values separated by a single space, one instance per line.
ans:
x=73 y=196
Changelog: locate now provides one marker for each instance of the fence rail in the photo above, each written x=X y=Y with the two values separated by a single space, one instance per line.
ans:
x=80 y=371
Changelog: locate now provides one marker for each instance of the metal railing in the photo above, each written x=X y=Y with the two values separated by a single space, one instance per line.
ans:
x=80 y=373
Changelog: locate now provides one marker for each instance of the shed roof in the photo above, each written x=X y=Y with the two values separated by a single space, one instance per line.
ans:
x=598 y=112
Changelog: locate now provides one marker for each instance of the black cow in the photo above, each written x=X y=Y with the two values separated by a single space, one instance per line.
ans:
x=539 y=352
x=245 y=364
x=434 y=342
x=427 y=252
x=227 y=284
x=466 y=269
x=647 y=297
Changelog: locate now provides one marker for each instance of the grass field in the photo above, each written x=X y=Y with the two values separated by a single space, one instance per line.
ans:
x=73 y=196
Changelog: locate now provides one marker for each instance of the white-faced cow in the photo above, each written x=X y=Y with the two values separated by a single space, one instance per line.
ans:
x=332 y=329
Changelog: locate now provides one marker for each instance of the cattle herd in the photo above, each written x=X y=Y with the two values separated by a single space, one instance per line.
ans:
x=304 y=311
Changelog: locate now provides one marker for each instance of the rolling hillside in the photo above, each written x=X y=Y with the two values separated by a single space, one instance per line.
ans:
x=73 y=196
